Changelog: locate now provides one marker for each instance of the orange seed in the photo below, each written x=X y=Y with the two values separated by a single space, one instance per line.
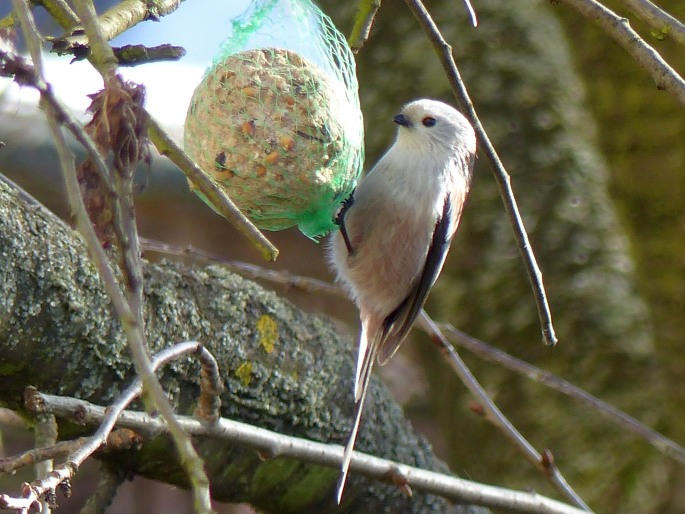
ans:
x=272 y=157
x=248 y=128
x=287 y=143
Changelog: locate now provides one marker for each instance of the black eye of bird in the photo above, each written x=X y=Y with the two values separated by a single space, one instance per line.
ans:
x=428 y=121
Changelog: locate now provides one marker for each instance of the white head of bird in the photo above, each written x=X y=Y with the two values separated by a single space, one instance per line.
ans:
x=434 y=127
x=395 y=232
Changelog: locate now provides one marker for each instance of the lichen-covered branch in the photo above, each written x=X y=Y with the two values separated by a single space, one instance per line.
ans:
x=282 y=369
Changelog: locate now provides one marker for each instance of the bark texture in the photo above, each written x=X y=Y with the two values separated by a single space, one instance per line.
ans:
x=283 y=369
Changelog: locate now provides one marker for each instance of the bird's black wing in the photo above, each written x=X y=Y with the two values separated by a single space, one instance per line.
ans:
x=398 y=323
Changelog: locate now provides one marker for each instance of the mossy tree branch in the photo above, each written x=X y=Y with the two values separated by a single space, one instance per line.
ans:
x=59 y=333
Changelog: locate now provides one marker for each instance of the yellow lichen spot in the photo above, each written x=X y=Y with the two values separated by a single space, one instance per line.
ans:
x=244 y=373
x=268 y=332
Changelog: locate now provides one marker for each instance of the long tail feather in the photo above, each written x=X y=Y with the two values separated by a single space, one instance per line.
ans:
x=363 y=362
x=361 y=385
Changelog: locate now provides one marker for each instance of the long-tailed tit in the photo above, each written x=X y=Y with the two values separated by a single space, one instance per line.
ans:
x=396 y=231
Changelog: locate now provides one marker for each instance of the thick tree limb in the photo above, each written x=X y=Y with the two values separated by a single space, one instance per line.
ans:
x=58 y=332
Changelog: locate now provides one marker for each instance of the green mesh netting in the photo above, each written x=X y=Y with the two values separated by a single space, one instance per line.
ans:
x=276 y=119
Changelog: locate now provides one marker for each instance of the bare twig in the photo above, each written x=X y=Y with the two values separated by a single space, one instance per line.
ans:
x=275 y=444
x=37 y=403
x=216 y=196
x=45 y=434
x=26 y=74
x=133 y=55
x=104 y=61
x=665 y=77
x=60 y=11
x=493 y=414
x=34 y=455
x=660 y=21
x=114 y=21
x=503 y=180
x=366 y=14
x=492 y=354
x=101 y=53
x=245 y=269
x=472 y=13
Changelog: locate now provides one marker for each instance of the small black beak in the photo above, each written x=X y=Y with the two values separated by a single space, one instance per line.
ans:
x=402 y=119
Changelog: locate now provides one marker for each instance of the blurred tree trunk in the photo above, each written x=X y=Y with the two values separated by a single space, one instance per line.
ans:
x=58 y=333
x=518 y=68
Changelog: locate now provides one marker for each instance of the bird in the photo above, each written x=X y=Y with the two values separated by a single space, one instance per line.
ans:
x=395 y=231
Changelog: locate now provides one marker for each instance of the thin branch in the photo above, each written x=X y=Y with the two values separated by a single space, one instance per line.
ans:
x=114 y=21
x=660 y=21
x=36 y=402
x=60 y=11
x=278 y=445
x=503 y=180
x=45 y=434
x=216 y=196
x=492 y=354
x=665 y=77
x=366 y=14
x=101 y=53
x=34 y=455
x=211 y=387
x=472 y=13
x=102 y=58
x=494 y=415
x=134 y=55
x=252 y=271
